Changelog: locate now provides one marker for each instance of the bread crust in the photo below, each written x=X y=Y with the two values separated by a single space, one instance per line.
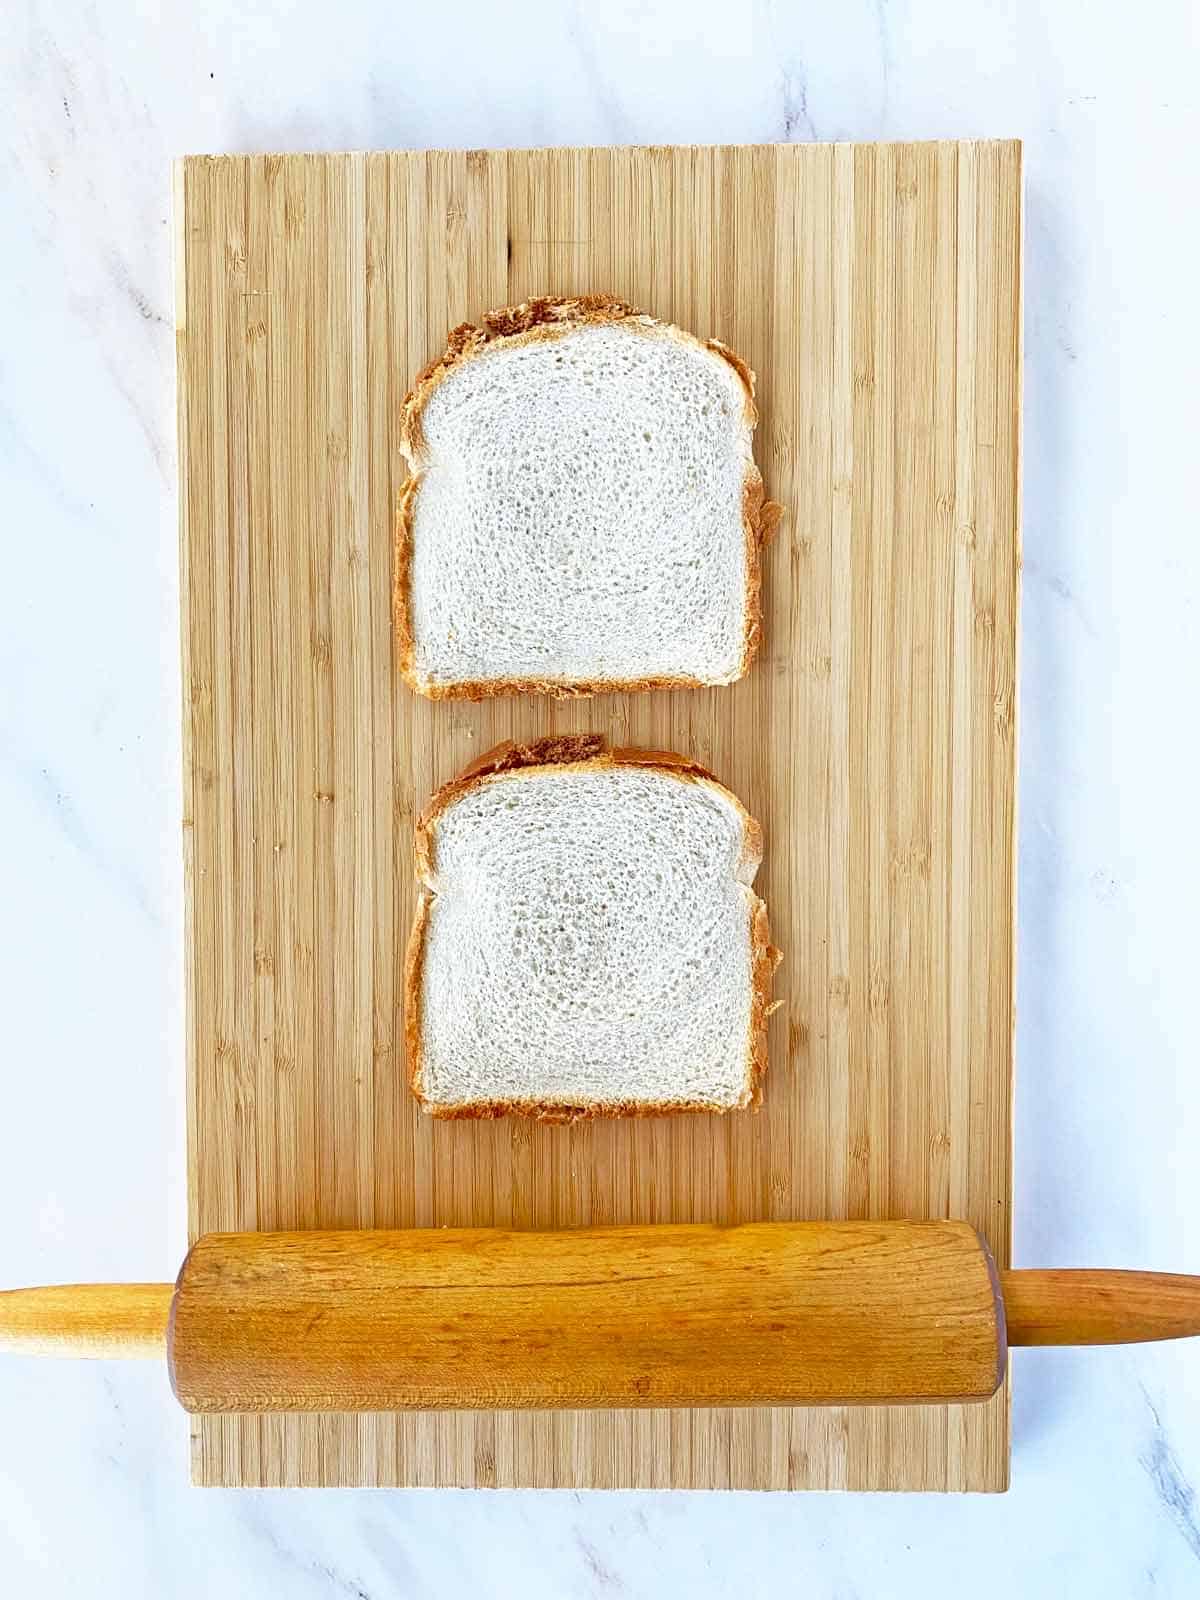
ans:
x=575 y=751
x=542 y=318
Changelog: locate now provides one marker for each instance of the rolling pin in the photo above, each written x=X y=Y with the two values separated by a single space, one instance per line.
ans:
x=783 y=1313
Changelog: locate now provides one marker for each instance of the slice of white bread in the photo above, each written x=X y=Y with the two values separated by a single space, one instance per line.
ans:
x=583 y=511
x=587 y=942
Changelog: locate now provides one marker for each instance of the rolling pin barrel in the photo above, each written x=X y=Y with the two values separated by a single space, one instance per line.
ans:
x=688 y=1315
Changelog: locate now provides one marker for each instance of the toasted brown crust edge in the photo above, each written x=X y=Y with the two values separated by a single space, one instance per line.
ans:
x=577 y=750
x=548 y=317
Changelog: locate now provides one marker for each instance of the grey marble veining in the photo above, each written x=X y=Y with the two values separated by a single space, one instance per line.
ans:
x=98 y=98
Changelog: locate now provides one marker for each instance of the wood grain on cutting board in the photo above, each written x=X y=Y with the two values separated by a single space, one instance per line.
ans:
x=876 y=291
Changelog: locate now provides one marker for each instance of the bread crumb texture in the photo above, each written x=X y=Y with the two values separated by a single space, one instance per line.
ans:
x=584 y=509
x=588 y=941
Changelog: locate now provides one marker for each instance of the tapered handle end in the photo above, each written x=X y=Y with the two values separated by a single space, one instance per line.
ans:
x=1068 y=1306
x=103 y=1320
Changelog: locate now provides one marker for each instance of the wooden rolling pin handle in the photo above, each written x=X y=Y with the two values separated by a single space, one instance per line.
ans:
x=1078 y=1306
x=103 y=1320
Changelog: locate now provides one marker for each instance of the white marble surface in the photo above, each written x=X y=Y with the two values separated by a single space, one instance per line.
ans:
x=97 y=98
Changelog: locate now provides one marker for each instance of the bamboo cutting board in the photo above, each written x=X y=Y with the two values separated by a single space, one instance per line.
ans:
x=876 y=291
